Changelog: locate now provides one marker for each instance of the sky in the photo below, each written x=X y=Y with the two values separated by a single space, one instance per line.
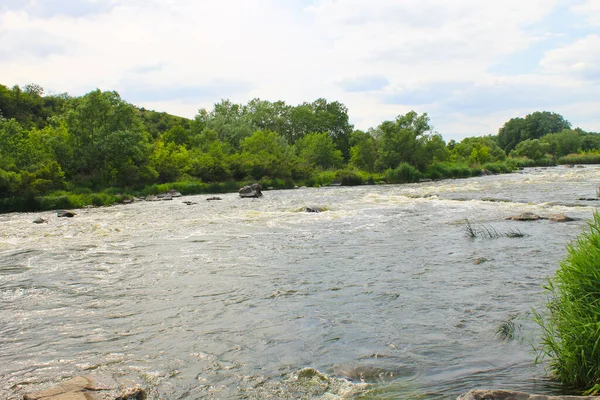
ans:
x=471 y=65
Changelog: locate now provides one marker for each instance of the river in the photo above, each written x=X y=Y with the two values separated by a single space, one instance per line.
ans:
x=233 y=298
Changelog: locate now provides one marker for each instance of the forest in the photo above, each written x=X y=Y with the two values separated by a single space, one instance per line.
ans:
x=59 y=151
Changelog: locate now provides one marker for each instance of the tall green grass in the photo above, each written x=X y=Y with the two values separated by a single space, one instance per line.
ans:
x=583 y=158
x=571 y=322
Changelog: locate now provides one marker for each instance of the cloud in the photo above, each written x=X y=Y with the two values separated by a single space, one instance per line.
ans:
x=578 y=59
x=31 y=44
x=53 y=8
x=365 y=83
x=429 y=93
x=184 y=94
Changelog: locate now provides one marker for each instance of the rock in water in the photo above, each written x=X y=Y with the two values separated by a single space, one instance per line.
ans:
x=40 y=220
x=312 y=209
x=560 y=218
x=64 y=213
x=251 y=191
x=213 y=198
x=174 y=193
x=90 y=388
x=527 y=216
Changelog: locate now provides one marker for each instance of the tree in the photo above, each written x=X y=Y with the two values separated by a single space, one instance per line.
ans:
x=106 y=134
x=319 y=150
x=321 y=116
x=363 y=153
x=170 y=160
x=403 y=140
x=511 y=133
x=533 y=149
x=541 y=123
x=563 y=143
x=533 y=126
x=264 y=154
x=477 y=150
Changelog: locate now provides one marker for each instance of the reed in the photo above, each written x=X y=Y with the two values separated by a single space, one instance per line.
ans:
x=571 y=321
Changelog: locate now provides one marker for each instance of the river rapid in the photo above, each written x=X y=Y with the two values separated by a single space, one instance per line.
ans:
x=383 y=293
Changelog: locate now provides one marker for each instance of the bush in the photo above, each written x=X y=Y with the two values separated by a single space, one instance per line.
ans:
x=404 y=173
x=571 y=325
x=348 y=178
x=584 y=158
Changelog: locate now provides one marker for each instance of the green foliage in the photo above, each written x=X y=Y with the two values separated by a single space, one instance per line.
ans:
x=349 y=178
x=476 y=151
x=318 y=150
x=571 y=323
x=404 y=173
x=533 y=126
x=583 y=158
x=363 y=153
x=406 y=140
x=499 y=167
x=590 y=141
x=444 y=170
x=108 y=138
x=563 y=143
x=533 y=149
x=170 y=161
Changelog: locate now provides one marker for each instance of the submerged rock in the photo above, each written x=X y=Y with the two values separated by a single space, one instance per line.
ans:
x=560 y=218
x=90 y=388
x=312 y=209
x=40 y=220
x=512 y=395
x=66 y=214
x=213 y=198
x=251 y=191
x=527 y=216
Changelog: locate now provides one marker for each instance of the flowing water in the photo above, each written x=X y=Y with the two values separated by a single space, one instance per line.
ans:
x=383 y=293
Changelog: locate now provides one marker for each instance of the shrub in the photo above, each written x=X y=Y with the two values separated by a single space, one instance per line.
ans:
x=571 y=324
x=584 y=158
x=348 y=178
x=404 y=173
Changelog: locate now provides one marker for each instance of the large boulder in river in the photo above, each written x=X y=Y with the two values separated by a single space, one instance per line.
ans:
x=90 y=388
x=251 y=191
x=526 y=216
x=512 y=395
x=560 y=218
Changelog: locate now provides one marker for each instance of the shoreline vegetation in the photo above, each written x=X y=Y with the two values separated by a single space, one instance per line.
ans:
x=570 y=322
x=64 y=152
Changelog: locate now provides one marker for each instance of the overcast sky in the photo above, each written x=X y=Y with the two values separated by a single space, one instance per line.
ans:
x=470 y=64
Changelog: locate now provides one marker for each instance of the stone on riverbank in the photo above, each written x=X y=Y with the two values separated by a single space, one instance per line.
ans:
x=90 y=388
x=512 y=395
x=251 y=191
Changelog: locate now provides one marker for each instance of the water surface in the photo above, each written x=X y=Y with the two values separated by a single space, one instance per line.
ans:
x=232 y=298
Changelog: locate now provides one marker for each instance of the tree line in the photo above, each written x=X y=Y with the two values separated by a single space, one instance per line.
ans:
x=53 y=143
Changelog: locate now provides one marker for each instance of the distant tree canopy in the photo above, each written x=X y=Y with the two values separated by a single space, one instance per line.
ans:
x=533 y=126
x=98 y=140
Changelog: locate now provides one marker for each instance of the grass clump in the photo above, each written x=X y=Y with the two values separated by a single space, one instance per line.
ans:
x=571 y=323
x=489 y=232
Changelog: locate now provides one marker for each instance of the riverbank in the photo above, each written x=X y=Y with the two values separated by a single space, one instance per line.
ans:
x=76 y=198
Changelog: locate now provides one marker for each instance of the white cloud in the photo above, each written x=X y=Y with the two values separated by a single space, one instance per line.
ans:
x=589 y=10
x=579 y=59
